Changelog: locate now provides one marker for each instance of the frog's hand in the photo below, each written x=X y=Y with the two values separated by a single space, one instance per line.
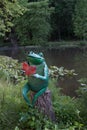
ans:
x=39 y=93
x=29 y=70
x=25 y=91
x=45 y=76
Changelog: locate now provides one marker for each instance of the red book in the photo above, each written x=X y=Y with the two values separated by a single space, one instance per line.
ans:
x=29 y=70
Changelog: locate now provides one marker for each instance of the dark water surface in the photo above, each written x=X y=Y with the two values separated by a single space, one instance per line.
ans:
x=69 y=58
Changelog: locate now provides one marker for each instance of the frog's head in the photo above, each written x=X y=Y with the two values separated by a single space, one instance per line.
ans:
x=35 y=59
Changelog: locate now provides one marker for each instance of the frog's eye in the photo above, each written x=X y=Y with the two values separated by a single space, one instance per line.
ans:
x=41 y=54
x=31 y=52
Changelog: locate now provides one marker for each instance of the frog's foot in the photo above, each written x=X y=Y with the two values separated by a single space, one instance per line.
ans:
x=30 y=106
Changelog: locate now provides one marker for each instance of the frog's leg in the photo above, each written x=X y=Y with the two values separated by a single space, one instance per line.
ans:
x=39 y=93
x=25 y=91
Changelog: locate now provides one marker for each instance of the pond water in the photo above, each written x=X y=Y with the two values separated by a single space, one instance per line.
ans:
x=69 y=58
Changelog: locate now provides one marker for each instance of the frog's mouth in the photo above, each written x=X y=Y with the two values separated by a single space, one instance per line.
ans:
x=35 y=60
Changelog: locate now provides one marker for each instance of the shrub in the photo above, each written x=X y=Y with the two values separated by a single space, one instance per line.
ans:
x=82 y=100
x=66 y=108
x=10 y=69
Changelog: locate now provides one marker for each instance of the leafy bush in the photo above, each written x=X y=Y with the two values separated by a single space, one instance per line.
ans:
x=33 y=119
x=82 y=100
x=66 y=110
x=56 y=73
x=10 y=69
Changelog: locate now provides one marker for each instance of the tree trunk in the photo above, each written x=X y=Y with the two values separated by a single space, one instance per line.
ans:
x=13 y=40
x=44 y=104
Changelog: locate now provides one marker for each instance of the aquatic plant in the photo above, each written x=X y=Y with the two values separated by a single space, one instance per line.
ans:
x=58 y=72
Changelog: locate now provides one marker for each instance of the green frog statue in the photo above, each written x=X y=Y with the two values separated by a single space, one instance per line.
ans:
x=37 y=82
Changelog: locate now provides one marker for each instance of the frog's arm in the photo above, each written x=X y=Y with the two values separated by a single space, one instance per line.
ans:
x=45 y=76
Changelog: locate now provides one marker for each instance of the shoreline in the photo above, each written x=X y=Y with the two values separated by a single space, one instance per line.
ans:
x=50 y=47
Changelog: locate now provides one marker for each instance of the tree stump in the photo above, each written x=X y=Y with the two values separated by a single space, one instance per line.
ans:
x=44 y=104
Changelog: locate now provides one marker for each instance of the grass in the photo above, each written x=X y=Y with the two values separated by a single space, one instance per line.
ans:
x=11 y=104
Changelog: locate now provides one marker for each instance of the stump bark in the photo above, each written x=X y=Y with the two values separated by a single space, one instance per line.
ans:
x=44 y=104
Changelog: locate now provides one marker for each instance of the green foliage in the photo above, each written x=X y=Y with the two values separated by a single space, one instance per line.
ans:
x=82 y=93
x=37 y=21
x=62 y=18
x=35 y=120
x=33 y=27
x=9 y=10
x=64 y=106
x=10 y=69
x=80 y=19
x=56 y=73
x=11 y=104
x=66 y=110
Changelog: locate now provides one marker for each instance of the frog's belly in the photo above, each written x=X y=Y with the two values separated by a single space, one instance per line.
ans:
x=37 y=84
